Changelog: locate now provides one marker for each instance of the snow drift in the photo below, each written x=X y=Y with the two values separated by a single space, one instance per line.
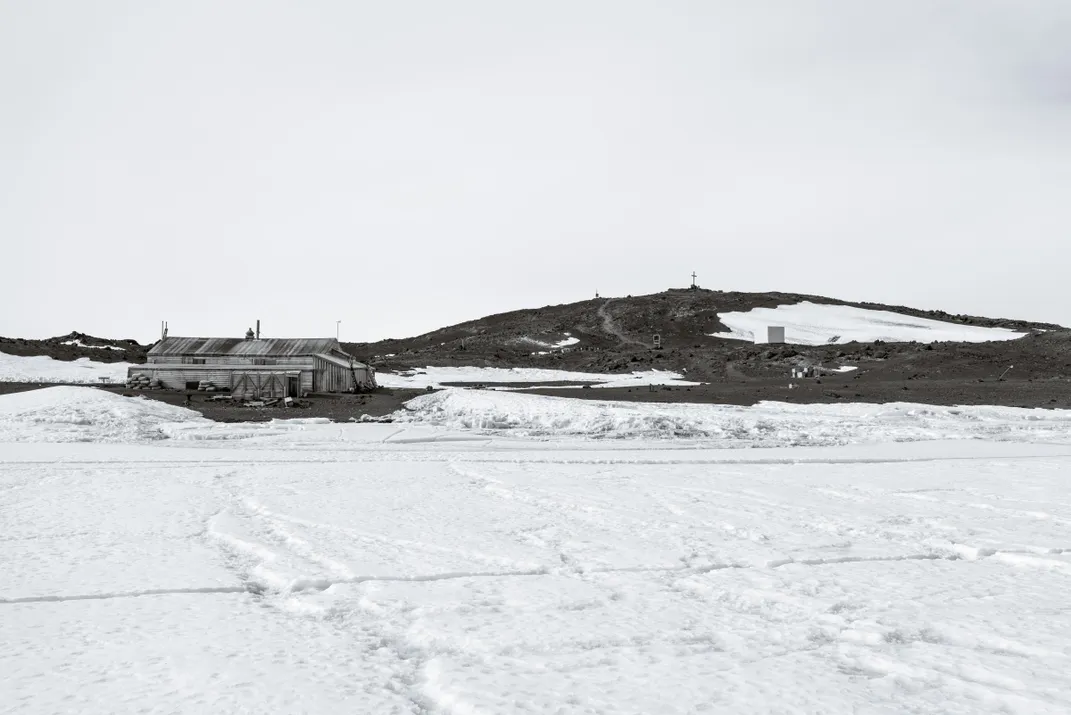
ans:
x=81 y=414
x=41 y=368
x=809 y=323
x=85 y=414
x=768 y=424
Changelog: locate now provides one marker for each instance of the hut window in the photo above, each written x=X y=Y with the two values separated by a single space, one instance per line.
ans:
x=193 y=361
x=264 y=361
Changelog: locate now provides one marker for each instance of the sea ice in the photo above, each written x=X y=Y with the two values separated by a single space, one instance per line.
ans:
x=414 y=568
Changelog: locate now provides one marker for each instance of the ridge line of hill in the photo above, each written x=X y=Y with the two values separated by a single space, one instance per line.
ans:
x=615 y=334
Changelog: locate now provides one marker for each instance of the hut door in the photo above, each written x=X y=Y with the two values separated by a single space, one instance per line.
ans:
x=291 y=386
x=243 y=385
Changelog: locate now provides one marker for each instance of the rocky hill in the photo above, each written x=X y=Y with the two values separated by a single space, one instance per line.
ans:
x=1030 y=368
x=617 y=335
x=76 y=345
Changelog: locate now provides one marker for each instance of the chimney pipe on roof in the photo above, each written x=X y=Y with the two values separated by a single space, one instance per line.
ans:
x=258 y=328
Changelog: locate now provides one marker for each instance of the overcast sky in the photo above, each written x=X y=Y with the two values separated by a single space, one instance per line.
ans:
x=401 y=166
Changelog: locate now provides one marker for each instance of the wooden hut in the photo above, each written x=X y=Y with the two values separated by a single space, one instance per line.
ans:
x=256 y=367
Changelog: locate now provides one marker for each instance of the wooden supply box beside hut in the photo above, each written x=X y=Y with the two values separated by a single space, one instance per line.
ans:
x=256 y=367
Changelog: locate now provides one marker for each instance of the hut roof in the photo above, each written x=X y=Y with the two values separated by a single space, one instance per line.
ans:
x=266 y=347
x=336 y=360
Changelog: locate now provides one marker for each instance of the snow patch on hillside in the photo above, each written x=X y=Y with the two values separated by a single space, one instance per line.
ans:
x=767 y=424
x=809 y=323
x=435 y=377
x=41 y=368
x=558 y=344
x=550 y=347
x=80 y=344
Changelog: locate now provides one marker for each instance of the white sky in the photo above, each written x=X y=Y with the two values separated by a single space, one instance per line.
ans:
x=406 y=165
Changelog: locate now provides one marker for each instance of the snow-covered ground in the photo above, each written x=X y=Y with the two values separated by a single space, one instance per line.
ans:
x=40 y=368
x=436 y=376
x=809 y=323
x=416 y=568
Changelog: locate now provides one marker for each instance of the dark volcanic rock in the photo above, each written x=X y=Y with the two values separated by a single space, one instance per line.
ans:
x=76 y=345
x=617 y=334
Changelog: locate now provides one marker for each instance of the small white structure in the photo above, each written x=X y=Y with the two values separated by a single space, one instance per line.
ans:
x=775 y=334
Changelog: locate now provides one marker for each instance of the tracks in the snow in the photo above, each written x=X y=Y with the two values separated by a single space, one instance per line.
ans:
x=285 y=553
x=966 y=555
x=128 y=594
x=623 y=457
x=318 y=584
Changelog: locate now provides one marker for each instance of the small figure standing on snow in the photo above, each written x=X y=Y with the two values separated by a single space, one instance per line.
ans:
x=188 y=400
